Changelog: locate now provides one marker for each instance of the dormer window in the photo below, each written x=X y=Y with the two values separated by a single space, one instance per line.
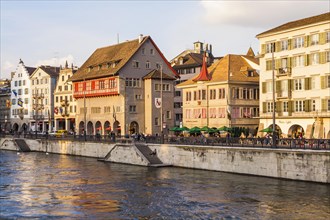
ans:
x=89 y=68
x=181 y=61
x=100 y=66
x=108 y=65
x=136 y=64
x=250 y=73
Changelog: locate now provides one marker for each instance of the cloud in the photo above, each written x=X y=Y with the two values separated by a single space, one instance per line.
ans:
x=7 y=67
x=260 y=14
x=56 y=61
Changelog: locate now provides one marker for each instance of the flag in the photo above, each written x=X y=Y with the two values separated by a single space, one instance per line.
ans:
x=20 y=102
x=228 y=110
x=158 y=102
x=114 y=113
x=56 y=110
x=8 y=103
x=49 y=119
x=15 y=93
x=61 y=110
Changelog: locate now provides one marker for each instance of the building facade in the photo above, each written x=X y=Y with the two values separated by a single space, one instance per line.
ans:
x=21 y=103
x=5 y=103
x=187 y=64
x=65 y=105
x=225 y=94
x=43 y=81
x=110 y=89
x=298 y=53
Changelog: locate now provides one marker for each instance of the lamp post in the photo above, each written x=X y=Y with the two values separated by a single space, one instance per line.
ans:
x=161 y=104
x=85 y=126
x=273 y=82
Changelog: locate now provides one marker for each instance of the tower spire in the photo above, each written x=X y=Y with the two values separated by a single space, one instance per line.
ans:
x=203 y=75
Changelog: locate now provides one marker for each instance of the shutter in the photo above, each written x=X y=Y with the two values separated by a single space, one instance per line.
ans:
x=307 y=56
x=323 y=82
x=322 y=57
x=278 y=86
x=291 y=84
x=289 y=44
x=277 y=63
x=278 y=46
x=324 y=105
x=264 y=87
x=278 y=106
x=322 y=38
x=306 y=41
x=76 y=87
x=293 y=62
x=290 y=107
x=307 y=104
x=307 y=83
x=289 y=62
x=263 y=48
x=264 y=105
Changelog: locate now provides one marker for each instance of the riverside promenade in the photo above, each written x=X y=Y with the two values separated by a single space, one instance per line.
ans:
x=296 y=164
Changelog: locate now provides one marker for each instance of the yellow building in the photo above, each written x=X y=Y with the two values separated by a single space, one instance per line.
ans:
x=301 y=77
x=225 y=94
x=120 y=87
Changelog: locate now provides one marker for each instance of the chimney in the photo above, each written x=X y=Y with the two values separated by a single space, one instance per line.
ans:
x=140 y=38
x=210 y=48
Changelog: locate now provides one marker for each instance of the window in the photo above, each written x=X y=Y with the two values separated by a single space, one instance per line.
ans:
x=62 y=77
x=313 y=82
x=298 y=84
x=188 y=96
x=177 y=93
x=56 y=99
x=299 y=106
x=96 y=110
x=256 y=94
x=327 y=56
x=26 y=91
x=284 y=44
x=100 y=67
x=166 y=87
x=152 y=52
x=177 y=104
x=269 y=86
x=328 y=104
x=136 y=64
x=299 y=61
x=269 y=64
x=148 y=65
x=298 y=42
x=203 y=94
x=284 y=62
x=133 y=82
x=138 y=97
x=327 y=39
x=157 y=121
x=15 y=83
x=13 y=101
x=168 y=115
x=269 y=47
x=270 y=106
x=285 y=106
x=313 y=105
x=222 y=93
x=19 y=92
x=102 y=84
x=20 y=83
x=315 y=39
x=212 y=94
x=132 y=108
x=315 y=58
x=60 y=88
x=143 y=51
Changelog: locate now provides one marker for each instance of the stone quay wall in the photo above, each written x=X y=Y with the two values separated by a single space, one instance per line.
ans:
x=304 y=165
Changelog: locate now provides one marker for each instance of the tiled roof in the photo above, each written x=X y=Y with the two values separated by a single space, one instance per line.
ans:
x=51 y=70
x=299 y=23
x=112 y=59
x=155 y=74
x=229 y=68
x=190 y=60
x=30 y=70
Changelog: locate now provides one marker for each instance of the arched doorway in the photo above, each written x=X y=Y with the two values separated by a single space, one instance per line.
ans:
x=295 y=131
x=107 y=127
x=15 y=127
x=117 y=128
x=134 y=127
x=24 y=128
x=98 y=127
x=81 y=127
x=90 y=129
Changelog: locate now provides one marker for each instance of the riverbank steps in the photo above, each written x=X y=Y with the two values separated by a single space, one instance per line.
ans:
x=303 y=165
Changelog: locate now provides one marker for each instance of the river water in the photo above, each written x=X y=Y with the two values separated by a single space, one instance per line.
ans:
x=40 y=186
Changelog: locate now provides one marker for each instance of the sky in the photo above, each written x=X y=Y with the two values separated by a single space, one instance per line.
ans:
x=51 y=32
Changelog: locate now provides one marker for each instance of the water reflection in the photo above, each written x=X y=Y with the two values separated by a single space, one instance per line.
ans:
x=40 y=186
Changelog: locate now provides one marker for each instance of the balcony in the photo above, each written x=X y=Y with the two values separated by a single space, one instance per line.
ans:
x=283 y=72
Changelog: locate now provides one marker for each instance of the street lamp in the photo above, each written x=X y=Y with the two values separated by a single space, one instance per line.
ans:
x=273 y=82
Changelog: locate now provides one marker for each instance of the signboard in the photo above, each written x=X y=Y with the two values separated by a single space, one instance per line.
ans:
x=158 y=102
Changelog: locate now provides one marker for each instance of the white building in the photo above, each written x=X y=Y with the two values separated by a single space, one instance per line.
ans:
x=43 y=81
x=21 y=98
x=302 y=77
